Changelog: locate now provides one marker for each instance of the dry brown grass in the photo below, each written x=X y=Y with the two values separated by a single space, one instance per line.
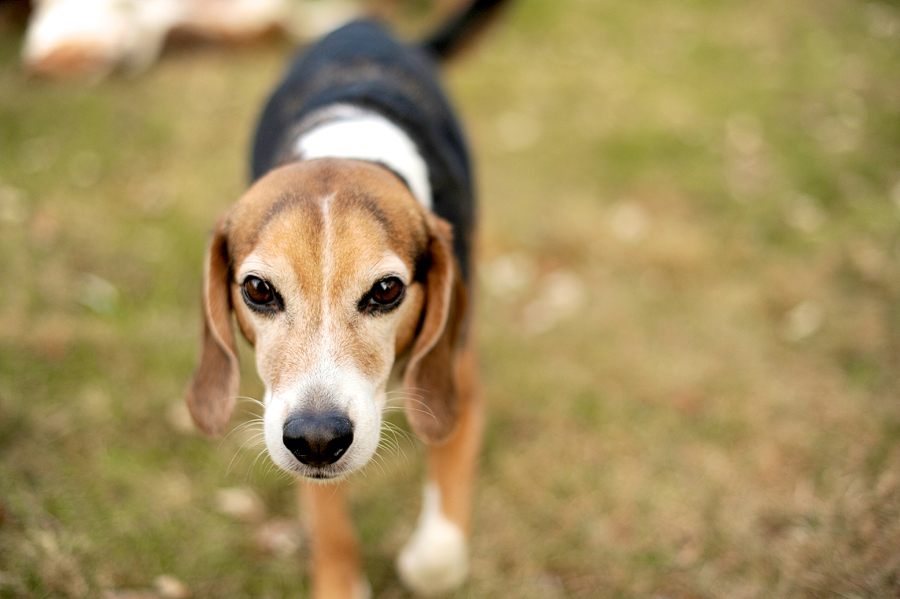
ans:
x=689 y=316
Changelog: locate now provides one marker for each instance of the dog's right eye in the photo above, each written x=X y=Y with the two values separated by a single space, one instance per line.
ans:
x=260 y=295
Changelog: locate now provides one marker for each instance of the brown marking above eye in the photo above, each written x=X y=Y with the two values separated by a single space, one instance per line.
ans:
x=383 y=297
x=260 y=295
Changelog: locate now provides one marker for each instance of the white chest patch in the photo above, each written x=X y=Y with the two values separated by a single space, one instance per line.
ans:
x=353 y=132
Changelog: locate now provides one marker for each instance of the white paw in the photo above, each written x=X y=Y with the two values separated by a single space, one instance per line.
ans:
x=436 y=558
x=363 y=590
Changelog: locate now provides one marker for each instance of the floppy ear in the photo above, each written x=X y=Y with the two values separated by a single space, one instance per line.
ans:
x=431 y=372
x=214 y=388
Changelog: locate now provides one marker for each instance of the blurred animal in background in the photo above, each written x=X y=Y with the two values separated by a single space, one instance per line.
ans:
x=347 y=266
x=89 y=39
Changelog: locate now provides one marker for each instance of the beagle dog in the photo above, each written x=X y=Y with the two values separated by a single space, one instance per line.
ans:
x=346 y=265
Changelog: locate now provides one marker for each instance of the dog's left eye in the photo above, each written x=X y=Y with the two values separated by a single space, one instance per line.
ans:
x=384 y=296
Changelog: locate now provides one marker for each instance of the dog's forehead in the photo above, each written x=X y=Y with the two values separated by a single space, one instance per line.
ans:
x=355 y=208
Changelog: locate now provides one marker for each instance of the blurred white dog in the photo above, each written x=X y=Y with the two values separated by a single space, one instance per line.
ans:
x=91 y=38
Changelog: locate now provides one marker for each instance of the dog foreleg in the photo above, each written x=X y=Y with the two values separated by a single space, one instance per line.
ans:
x=436 y=558
x=336 y=569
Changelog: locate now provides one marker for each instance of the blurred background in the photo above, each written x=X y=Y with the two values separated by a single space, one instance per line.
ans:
x=688 y=311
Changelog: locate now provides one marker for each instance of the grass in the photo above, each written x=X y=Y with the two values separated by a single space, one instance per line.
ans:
x=689 y=315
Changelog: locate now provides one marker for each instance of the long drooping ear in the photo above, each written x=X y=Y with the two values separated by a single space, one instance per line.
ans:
x=213 y=390
x=431 y=372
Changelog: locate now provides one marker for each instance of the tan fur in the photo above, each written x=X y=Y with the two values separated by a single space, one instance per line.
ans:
x=336 y=555
x=323 y=232
x=451 y=464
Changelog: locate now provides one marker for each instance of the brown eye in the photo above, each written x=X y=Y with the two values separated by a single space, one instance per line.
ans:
x=259 y=295
x=384 y=296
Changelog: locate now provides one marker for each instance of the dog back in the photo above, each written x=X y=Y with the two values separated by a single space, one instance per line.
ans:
x=361 y=64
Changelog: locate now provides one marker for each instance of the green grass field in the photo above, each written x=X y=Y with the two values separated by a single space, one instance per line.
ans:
x=689 y=316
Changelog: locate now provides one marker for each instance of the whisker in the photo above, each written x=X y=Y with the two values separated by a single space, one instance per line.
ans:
x=391 y=444
x=408 y=397
x=279 y=473
x=427 y=412
x=244 y=426
x=390 y=448
x=397 y=432
x=253 y=441
x=255 y=418
x=405 y=394
x=249 y=399
x=376 y=460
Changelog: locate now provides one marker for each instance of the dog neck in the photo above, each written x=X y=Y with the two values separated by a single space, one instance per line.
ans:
x=347 y=131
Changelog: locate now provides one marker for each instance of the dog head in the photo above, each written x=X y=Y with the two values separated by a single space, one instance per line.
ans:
x=339 y=279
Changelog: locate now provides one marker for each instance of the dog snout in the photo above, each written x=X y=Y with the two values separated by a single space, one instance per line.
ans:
x=318 y=440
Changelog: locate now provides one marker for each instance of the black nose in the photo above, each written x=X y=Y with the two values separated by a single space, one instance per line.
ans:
x=318 y=439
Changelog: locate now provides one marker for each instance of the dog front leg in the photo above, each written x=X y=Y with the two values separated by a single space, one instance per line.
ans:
x=336 y=569
x=436 y=558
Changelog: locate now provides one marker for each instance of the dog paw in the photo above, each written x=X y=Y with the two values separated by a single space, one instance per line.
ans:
x=363 y=590
x=436 y=558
